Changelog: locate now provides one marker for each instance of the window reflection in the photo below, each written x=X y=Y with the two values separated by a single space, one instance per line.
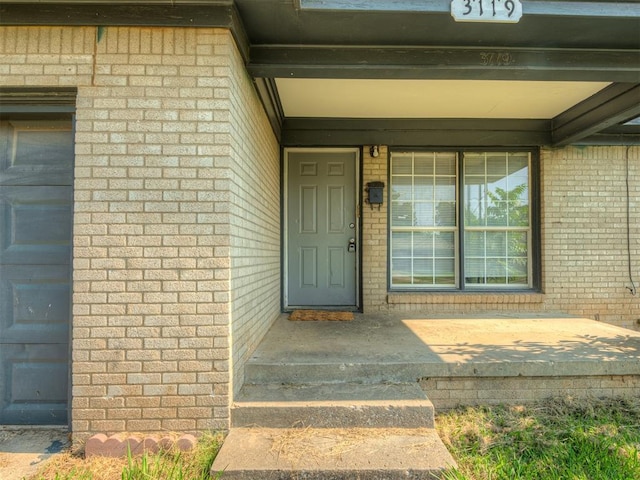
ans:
x=496 y=227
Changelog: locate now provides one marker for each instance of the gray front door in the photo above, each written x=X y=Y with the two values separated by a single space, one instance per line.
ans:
x=36 y=193
x=322 y=228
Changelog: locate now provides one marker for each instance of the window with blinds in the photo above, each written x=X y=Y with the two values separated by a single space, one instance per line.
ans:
x=460 y=220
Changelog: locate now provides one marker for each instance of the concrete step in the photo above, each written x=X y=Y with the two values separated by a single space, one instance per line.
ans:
x=260 y=372
x=332 y=406
x=331 y=454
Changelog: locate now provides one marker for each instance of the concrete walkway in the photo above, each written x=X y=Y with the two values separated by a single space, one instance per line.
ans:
x=23 y=450
x=332 y=454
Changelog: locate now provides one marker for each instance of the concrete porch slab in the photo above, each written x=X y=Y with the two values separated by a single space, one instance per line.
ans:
x=404 y=348
x=458 y=361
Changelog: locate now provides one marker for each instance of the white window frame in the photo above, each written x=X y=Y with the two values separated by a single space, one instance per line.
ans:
x=460 y=230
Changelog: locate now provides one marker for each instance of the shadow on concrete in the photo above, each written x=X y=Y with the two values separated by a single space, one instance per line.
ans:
x=488 y=346
x=23 y=450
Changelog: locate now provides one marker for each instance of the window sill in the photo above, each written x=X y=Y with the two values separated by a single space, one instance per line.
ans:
x=481 y=298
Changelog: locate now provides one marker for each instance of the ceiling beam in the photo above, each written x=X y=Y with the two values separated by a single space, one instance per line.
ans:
x=472 y=63
x=268 y=93
x=302 y=132
x=615 y=104
x=611 y=139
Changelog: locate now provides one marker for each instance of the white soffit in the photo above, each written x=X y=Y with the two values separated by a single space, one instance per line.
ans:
x=347 y=98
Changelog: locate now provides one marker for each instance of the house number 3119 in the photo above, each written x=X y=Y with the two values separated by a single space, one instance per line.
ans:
x=496 y=59
x=502 y=11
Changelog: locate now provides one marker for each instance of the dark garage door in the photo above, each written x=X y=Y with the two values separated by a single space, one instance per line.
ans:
x=36 y=162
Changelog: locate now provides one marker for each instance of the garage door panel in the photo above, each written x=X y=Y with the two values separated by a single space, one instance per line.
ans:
x=36 y=225
x=36 y=152
x=32 y=178
x=34 y=380
x=36 y=199
x=34 y=304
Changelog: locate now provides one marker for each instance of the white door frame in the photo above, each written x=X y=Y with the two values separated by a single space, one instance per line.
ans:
x=285 y=219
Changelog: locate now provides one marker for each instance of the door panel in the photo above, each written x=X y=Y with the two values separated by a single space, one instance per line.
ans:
x=36 y=194
x=336 y=272
x=33 y=379
x=308 y=209
x=36 y=225
x=321 y=219
x=36 y=152
x=34 y=304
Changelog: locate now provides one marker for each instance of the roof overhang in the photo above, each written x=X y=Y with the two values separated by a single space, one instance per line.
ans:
x=568 y=72
x=356 y=71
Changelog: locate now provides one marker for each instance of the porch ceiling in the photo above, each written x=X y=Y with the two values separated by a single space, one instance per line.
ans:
x=365 y=98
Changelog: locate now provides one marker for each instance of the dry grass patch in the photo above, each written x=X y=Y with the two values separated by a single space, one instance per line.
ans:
x=68 y=465
x=327 y=443
x=166 y=465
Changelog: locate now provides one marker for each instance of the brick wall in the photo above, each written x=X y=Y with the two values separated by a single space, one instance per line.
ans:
x=374 y=235
x=255 y=220
x=53 y=56
x=163 y=269
x=161 y=178
x=452 y=392
x=584 y=232
x=584 y=243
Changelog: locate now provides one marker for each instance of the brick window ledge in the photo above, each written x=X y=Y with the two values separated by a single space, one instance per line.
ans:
x=478 y=298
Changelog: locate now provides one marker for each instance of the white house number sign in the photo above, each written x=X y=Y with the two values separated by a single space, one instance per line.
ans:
x=499 y=11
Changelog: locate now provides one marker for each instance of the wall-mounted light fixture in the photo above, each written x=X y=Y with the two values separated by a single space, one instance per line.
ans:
x=374 y=151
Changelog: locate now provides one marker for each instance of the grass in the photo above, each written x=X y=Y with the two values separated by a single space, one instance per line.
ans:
x=165 y=465
x=562 y=438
